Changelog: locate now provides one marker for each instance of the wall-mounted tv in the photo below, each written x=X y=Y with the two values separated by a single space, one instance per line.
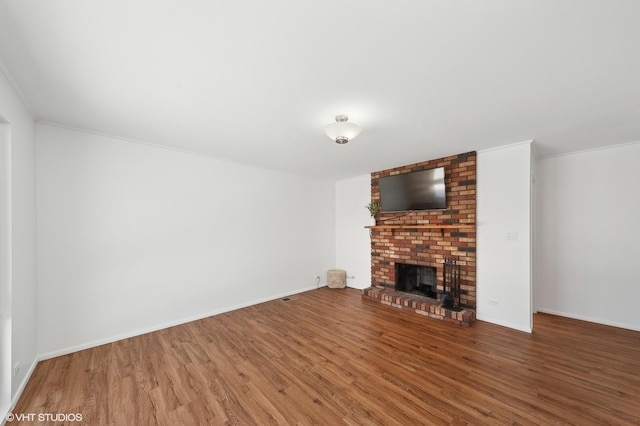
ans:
x=422 y=190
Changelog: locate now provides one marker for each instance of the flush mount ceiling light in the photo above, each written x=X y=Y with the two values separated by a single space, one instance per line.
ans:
x=341 y=131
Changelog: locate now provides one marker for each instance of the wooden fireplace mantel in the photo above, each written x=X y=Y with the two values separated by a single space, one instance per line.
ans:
x=428 y=226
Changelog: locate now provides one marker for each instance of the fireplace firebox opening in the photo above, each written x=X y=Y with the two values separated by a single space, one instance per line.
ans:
x=417 y=279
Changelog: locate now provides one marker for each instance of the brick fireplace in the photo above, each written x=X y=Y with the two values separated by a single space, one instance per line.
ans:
x=415 y=238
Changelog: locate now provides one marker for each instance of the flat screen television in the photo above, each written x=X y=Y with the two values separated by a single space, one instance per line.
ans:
x=422 y=190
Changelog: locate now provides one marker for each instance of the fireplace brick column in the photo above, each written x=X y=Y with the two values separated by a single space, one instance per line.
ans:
x=429 y=247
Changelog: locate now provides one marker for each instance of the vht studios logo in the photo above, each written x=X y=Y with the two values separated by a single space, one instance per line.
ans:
x=44 y=417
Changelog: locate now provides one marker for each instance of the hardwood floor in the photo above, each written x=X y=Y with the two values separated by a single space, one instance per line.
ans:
x=327 y=357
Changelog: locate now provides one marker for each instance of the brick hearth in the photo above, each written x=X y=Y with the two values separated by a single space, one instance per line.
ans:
x=419 y=304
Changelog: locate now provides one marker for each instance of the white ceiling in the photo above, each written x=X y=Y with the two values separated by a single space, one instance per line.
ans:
x=256 y=81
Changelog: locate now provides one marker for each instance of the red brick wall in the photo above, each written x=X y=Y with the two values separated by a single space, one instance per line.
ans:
x=430 y=246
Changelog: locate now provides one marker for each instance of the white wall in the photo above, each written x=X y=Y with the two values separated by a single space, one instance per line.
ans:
x=23 y=304
x=503 y=234
x=589 y=229
x=353 y=243
x=133 y=237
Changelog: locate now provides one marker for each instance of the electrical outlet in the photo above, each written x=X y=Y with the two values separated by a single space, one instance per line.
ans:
x=16 y=369
x=494 y=302
x=351 y=277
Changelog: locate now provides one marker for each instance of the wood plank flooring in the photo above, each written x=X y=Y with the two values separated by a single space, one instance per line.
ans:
x=327 y=357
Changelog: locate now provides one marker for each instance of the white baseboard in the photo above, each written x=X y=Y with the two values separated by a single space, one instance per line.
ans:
x=589 y=319
x=20 y=389
x=504 y=324
x=92 y=344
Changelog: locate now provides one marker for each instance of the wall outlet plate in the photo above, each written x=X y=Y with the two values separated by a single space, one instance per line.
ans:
x=511 y=236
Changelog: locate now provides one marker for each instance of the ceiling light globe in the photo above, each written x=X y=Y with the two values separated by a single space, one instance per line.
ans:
x=342 y=131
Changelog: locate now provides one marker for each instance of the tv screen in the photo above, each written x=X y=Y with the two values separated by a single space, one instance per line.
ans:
x=423 y=190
